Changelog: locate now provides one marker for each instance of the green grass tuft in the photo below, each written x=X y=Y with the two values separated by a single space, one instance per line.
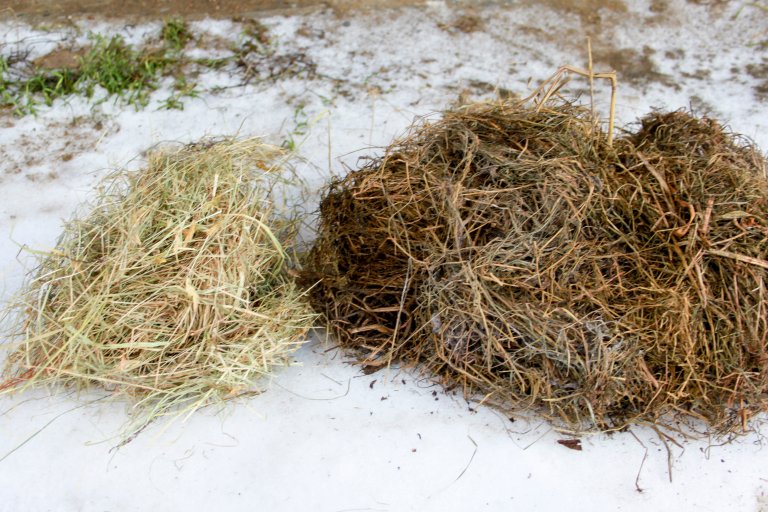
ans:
x=121 y=70
x=131 y=73
x=175 y=34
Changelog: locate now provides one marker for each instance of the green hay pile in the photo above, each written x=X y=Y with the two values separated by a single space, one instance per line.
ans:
x=509 y=249
x=173 y=290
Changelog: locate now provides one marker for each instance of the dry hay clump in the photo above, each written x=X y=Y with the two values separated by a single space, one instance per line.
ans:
x=172 y=290
x=511 y=250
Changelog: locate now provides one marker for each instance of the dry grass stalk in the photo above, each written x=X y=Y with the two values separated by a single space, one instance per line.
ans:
x=511 y=249
x=172 y=290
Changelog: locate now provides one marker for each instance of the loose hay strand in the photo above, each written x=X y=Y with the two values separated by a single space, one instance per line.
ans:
x=173 y=289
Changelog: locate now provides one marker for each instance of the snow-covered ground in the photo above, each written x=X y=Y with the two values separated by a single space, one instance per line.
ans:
x=324 y=436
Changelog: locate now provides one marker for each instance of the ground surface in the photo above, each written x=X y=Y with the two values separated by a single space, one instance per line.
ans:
x=40 y=10
x=47 y=9
x=324 y=436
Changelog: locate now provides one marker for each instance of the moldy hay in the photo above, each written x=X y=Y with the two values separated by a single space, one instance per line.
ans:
x=172 y=289
x=509 y=249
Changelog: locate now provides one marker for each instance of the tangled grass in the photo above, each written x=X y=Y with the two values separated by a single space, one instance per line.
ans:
x=173 y=290
x=510 y=249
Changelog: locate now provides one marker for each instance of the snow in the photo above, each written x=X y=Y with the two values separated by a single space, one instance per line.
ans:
x=323 y=436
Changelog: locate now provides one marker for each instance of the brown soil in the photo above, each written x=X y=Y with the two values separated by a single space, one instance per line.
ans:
x=54 y=9
x=635 y=67
x=61 y=140
x=760 y=71
x=467 y=22
x=589 y=10
x=60 y=59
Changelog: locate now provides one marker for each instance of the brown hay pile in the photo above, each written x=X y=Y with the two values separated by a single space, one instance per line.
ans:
x=510 y=250
x=172 y=290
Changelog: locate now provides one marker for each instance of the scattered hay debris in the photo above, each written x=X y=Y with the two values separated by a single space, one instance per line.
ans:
x=510 y=249
x=173 y=290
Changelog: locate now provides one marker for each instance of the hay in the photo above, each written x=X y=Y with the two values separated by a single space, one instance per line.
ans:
x=511 y=250
x=173 y=290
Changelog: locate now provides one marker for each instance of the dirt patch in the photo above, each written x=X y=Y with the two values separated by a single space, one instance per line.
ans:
x=59 y=141
x=632 y=66
x=60 y=58
x=760 y=72
x=345 y=7
x=42 y=177
x=676 y=54
x=148 y=8
x=709 y=3
x=467 y=23
x=702 y=107
x=659 y=6
x=144 y=9
x=699 y=74
x=589 y=11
